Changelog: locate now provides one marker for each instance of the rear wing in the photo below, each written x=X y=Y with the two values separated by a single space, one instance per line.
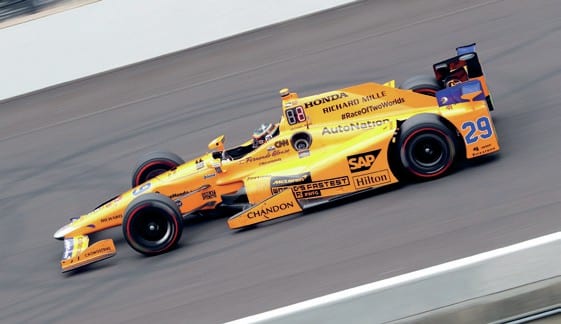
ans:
x=461 y=68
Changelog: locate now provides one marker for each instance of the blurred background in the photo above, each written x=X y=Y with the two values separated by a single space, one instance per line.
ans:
x=14 y=12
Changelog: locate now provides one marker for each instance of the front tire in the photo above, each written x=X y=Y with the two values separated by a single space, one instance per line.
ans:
x=154 y=164
x=152 y=224
x=427 y=148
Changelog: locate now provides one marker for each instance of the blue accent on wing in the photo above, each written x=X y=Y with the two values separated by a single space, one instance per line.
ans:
x=453 y=95
x=470 y=87
x=465 y=49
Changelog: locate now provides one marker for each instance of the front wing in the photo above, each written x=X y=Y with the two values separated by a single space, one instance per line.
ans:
x=77 y=253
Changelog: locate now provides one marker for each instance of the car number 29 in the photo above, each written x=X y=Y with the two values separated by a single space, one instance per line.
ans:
x=481 y=128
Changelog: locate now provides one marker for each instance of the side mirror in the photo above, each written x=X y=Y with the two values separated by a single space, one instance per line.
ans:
x=217 y=144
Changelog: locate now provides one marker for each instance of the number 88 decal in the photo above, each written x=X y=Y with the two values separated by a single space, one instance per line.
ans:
x=483 y=125
x=295 y=115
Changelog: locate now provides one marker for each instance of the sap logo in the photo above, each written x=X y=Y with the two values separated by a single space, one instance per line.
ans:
x=363 y=161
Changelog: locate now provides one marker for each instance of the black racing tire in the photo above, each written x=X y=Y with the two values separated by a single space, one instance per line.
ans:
x=424 y=84
x=152 y=224
x=154 y=164
x=427 y=147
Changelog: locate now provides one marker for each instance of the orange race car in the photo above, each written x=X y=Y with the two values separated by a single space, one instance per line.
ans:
x=325 y=147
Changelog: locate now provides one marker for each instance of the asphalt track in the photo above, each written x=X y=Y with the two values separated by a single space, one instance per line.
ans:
x=66 y=149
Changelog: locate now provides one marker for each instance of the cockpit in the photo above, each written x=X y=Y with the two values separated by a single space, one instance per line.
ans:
x=260 y=136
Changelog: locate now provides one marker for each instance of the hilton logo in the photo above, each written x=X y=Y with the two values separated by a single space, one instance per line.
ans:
x=373 y=179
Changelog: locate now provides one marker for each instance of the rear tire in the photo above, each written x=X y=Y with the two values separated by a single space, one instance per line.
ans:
x=427 y=148
x=424 y=84
x=154 y=164
x=152 y=224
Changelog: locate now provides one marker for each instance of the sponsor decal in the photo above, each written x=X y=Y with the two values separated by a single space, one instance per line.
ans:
x=291 y=179
x=343 y=105
x=179 y=194
x=258 y=177
x=487 y=148
x=97 y=251
x=281 y=143
x=326 y=99
x=363 y=161
x=371 y=179
x=208 y=176
x=355 y=102
x=310 y=194
x=111 y=218
x=208 y=194
x=303 y=154
x=260 y=158
x=374 y=96
x=276 y=206
x=358 y=126
x=308 y=188
x=265 y=211
x=371 y=108
x=141 y=189
x=199 y=164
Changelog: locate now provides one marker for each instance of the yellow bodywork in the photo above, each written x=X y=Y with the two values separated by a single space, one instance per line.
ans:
x=346 y=137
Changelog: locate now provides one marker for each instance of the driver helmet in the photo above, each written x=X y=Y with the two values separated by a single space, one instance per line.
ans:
x=263 y=133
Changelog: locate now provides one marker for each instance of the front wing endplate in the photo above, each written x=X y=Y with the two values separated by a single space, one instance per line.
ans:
x=78 y=254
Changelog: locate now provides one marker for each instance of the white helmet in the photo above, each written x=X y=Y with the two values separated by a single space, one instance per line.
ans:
x=263 y=133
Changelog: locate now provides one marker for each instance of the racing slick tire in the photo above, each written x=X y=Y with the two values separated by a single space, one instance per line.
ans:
x=154 y=164
x=427 y=147
x=152 y=224
x=424 y=84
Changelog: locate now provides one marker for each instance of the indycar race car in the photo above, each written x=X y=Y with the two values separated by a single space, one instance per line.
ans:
x=326 y=146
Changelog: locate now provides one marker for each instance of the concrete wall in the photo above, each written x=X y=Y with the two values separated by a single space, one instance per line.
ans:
x=482 y=288
x=109 y=34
